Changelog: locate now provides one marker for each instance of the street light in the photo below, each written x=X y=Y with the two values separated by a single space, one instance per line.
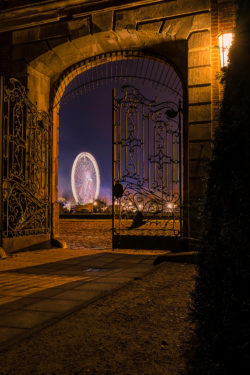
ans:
x=225 y=42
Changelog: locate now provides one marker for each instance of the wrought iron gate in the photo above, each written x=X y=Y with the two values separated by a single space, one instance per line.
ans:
x=26 y=143
x=147 y=171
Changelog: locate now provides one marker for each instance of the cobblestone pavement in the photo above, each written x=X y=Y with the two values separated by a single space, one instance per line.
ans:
x=94 y=234
x=39 y=287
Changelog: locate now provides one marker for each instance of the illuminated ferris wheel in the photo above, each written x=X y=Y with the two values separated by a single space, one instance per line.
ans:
x=85 y=178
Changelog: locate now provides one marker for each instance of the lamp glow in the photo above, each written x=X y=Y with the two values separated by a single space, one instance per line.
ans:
x=225 y=42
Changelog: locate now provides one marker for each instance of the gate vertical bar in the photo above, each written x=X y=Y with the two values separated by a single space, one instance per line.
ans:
x=180 y=170
x=50 y=166
x=1 y=158
x=149 y=155
x=113 y=166
x=143 y=142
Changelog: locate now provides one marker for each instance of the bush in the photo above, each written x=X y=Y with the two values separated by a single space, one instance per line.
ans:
x=221 y=301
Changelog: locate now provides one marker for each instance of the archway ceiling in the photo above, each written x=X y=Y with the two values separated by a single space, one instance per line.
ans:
x=125 y=67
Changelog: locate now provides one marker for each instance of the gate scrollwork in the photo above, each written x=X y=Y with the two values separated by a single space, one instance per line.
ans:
x=25 y=164
x=148 y=164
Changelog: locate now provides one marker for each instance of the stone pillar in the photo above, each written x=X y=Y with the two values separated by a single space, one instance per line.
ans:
x=55 y=153
x=199 y=121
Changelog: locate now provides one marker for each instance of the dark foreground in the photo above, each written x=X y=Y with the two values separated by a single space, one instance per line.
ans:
x=140 y=329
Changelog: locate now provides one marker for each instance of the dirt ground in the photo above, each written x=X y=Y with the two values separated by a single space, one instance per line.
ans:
x=142 y=329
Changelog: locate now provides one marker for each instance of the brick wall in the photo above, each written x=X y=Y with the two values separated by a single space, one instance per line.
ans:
x=223 y=16
x=205 y=93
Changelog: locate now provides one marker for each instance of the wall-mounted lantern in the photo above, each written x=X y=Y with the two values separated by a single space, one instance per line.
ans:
x=225 y=42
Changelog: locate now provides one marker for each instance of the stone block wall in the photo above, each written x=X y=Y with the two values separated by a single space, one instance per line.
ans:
x=223 y=17
x=199 y=109
x=41 y=43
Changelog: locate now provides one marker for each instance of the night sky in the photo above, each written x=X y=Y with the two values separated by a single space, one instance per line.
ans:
x=86 y=126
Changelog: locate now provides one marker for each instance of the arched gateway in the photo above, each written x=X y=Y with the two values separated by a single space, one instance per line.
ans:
x=50 y=50
x=147 y=143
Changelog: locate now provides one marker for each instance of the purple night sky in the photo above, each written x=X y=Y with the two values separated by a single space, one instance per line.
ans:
x=86 y=126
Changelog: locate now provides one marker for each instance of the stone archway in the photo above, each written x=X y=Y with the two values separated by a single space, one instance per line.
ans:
x=49 y=74
x=70 y=74
x=182 y=32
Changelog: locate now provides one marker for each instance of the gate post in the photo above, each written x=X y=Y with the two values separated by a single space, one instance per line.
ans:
x=113 y=166
x=180 y=110
x=2 y=252
x=1 y=157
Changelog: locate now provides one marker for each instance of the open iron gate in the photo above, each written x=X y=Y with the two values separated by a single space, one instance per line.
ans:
x=147 y=171
x=25 y=166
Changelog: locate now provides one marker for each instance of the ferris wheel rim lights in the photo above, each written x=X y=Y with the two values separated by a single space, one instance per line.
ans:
x=97 y=172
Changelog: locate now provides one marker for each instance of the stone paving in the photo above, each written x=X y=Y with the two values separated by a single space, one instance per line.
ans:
x=86 y=233
x=39 y=287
